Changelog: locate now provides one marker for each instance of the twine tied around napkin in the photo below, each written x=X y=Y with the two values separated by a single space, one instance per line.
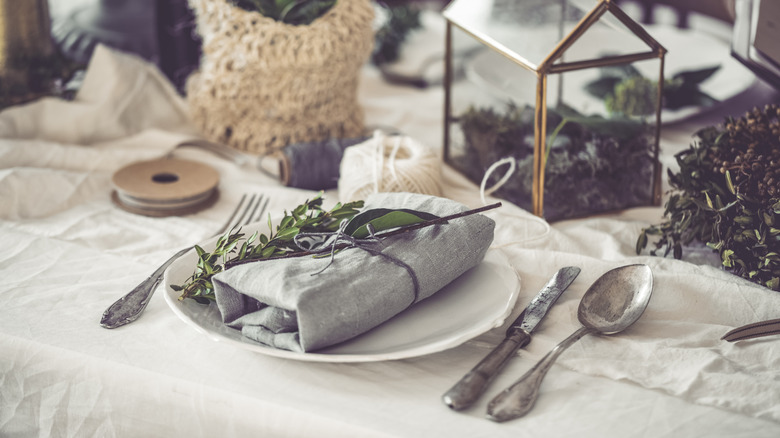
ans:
x=280 y=304
x=328 y=244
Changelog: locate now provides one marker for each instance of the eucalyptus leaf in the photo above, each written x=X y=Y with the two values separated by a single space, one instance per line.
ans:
x=288 y=233
x=384 y=219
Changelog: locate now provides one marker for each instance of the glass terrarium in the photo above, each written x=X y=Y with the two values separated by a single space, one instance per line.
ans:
x=567 y=91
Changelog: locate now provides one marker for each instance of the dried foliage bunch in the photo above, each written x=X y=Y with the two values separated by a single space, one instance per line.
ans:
x=727 y=195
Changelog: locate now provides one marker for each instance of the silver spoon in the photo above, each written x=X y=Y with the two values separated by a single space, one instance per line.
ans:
x=614 y=302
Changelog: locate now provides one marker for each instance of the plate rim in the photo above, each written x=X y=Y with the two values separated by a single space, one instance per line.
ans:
x=493 y=255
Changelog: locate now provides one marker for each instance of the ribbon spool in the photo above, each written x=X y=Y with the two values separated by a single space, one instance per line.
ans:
x=313 y=166
x=165 y=187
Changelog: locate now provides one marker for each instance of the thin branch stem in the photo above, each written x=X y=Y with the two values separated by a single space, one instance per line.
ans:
x=390 y=233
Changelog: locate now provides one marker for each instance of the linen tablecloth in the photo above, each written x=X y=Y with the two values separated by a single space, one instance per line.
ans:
x=68 y=253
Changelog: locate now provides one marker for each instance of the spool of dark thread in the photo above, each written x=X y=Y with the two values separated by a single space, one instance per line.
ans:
x=314 y=166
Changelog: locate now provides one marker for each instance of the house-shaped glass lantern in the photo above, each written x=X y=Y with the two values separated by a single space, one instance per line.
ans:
x=566 y=93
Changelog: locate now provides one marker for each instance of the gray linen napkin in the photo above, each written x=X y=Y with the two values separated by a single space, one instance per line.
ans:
x=281 y=304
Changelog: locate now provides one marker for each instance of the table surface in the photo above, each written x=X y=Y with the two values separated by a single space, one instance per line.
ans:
x=68 y=253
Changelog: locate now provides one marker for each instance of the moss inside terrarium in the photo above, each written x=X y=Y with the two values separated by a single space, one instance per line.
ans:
x=594 y=164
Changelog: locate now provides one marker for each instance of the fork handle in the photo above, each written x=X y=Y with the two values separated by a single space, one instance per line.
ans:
x=518 y=399
x=128 y=308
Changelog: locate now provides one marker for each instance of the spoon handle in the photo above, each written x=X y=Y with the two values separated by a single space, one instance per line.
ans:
x=518 y=399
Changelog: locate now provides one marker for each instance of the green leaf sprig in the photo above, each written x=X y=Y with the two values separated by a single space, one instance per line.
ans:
x=307 y=217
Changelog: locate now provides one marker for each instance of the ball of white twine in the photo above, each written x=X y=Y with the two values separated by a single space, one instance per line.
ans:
x=388 y=164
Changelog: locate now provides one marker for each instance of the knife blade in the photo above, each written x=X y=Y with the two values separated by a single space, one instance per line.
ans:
x=518 y=335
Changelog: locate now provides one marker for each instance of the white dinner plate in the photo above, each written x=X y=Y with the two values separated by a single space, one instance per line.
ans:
x=474 y=303
x=687 y=50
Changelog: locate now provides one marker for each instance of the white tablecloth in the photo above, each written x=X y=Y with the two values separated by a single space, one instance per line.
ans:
x=68 y=252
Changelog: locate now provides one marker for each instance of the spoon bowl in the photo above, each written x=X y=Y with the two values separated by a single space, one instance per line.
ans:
x=617 y=299
x=610 y=305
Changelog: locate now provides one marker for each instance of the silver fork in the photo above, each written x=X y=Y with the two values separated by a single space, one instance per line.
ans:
x=128 y=308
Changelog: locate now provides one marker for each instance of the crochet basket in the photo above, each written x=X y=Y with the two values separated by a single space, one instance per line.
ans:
x=263 y=84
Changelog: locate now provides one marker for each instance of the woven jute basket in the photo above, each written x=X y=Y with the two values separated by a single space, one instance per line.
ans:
x=263 y=84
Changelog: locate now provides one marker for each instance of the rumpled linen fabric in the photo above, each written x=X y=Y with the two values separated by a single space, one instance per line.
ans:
x=68 y=253
x=294 y=304
x=121 y=95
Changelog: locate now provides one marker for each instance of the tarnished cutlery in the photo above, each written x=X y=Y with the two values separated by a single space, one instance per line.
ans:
x=613 y=303
x=754 y=330
x=128 y=308
x=474 y=383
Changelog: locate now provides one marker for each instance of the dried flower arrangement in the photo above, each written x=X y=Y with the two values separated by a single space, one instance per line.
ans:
x=727 y=196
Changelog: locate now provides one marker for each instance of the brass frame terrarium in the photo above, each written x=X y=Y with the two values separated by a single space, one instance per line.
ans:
x=554 y=64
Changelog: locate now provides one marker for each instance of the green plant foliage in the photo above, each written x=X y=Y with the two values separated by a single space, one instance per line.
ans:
x=635 y=96
x=401 y=19
x=593 y=164
x=295 y=12
x=308 y=217
x=727 y=195
x=384 y=219
x=44 y=76
x=625 y=91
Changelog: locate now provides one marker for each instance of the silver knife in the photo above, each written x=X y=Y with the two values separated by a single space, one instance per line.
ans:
x=518 y=335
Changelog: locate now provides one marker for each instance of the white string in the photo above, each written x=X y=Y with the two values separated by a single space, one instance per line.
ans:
x=379 y=154
x=397 y=164
x=393 y=153
x=531 y=236
x=501 y=182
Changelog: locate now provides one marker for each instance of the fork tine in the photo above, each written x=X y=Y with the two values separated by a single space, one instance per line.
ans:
x=246 y=210
x=262 y=210
x=257 y=214
x=226 y=225
x=245 y=213
x=251 y=215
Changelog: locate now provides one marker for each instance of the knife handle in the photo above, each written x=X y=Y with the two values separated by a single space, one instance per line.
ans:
x=474 y=383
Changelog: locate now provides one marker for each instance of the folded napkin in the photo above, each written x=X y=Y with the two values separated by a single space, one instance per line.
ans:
x=293 y=304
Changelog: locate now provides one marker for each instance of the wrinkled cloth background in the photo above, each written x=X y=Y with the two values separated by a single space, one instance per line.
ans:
x=68 y=252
